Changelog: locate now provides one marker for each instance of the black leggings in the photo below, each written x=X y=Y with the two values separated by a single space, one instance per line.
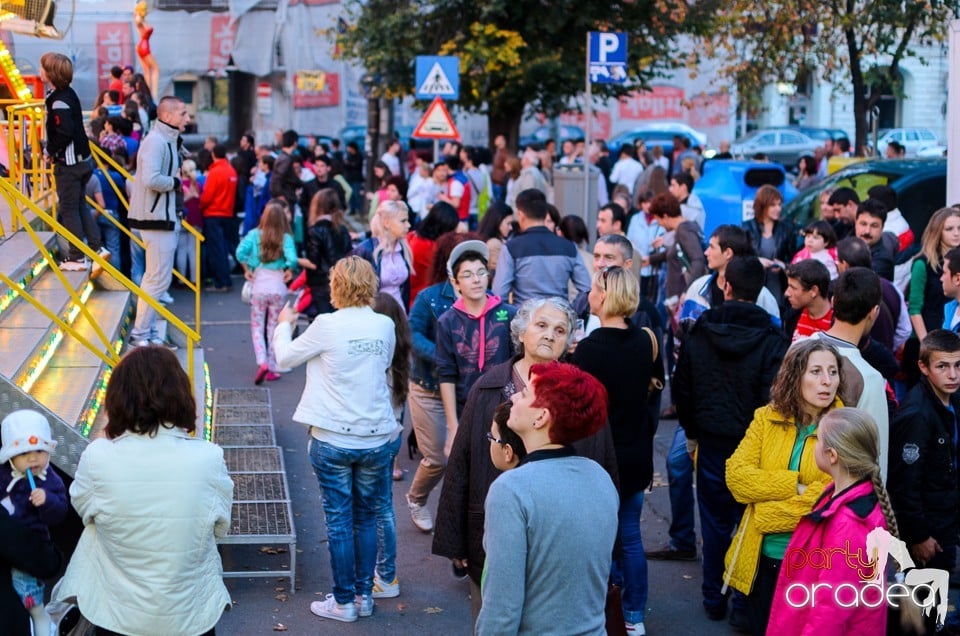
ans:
x=760 y=599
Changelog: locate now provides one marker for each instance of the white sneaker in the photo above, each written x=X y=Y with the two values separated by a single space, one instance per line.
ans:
x=421 y=516
x=329 y=608
x=166 y=299
x=103 y=253
x=155 y=342
x=364 y=604
x=636 y=629
x=382 y=589
x=74 y=266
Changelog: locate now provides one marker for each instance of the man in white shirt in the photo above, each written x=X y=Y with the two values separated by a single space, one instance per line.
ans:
x=392 y=158
x=627 y=169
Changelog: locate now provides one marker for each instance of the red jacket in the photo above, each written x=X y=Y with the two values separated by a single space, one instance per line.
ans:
x=220 y=191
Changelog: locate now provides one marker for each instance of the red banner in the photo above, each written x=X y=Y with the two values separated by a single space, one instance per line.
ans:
x=601 y=123
x=709 y=110
x=315 y=89
x=114 y=48
x=661 y=102
x=221 y=41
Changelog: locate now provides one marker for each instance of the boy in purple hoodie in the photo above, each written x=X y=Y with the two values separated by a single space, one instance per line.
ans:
x=473 y=335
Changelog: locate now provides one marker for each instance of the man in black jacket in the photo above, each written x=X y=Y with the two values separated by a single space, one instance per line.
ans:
x=923 y=482
x=727 y=364
x=285 y=179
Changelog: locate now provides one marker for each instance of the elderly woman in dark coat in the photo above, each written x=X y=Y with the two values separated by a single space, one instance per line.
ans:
x=542 y=331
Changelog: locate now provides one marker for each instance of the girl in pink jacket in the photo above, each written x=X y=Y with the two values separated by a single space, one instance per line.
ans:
x=829 y=583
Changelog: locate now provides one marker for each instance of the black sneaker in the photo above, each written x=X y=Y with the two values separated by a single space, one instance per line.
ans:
x=739 y=620
x=459 y=573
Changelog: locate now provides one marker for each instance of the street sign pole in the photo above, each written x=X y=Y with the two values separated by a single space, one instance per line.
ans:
x=588 y=110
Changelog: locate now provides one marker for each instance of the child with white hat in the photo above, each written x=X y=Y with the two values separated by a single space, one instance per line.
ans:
x=31 y=493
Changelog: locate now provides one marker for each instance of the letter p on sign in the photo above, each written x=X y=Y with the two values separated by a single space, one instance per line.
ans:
x=609 y=43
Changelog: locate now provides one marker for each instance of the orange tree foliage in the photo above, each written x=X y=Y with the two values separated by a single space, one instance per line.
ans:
x=515 y=55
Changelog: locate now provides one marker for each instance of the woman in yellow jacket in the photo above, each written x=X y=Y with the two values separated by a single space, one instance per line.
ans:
x=774 y=472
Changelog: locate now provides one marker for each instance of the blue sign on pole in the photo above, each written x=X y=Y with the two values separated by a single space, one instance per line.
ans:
x=438 y=76
x=608 y=57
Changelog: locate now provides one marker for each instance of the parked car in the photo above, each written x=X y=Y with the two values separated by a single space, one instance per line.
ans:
x=912 y=139
x=662 y=137
x=820 y=134
x=920 y=184
x=781 y=145
x=678 y=128
x=407 y=140
x=727 y=189
x=560 y=133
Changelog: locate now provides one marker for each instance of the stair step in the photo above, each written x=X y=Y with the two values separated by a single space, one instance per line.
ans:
x=25 y=331
x=22 y=262
x=75 y=366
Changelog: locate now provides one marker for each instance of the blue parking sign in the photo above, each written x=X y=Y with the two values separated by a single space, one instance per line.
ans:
x=438 y=76
x=608 y=57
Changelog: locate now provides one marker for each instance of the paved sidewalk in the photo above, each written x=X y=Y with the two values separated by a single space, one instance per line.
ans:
x=431 y=601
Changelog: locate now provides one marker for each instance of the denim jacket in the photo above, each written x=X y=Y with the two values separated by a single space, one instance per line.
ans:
x=429 y=305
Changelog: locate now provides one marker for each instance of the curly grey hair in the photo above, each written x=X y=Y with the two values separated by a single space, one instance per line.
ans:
x=520 y=322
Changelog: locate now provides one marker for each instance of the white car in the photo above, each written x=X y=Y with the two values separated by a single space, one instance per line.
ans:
x=912 y=139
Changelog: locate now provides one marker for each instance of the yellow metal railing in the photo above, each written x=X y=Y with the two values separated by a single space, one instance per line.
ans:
x=26 y=163
x=19 y=203
x=104 y=161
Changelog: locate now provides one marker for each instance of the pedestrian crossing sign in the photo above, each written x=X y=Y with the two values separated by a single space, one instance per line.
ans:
x=438 y=76
x=436 y=123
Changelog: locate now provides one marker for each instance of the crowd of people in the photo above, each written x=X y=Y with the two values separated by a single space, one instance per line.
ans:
x=813 y=373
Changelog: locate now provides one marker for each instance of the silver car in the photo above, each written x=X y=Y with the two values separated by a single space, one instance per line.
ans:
x=912 y=139
x=781 y=145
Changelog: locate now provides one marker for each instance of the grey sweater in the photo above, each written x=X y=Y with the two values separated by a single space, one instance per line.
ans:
x=549 y=533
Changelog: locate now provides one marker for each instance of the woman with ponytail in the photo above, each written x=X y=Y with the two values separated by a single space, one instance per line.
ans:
x=823 y=585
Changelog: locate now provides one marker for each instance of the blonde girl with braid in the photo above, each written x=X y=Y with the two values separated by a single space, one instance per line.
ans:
x=823 y=585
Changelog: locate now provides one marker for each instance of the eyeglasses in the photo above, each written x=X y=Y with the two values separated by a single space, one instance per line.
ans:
x=492 y=439
x=469 y=276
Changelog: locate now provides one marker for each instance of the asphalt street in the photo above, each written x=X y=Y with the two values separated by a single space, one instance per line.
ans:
x=431 y=601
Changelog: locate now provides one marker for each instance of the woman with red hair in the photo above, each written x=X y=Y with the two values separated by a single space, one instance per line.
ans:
x=551 y=522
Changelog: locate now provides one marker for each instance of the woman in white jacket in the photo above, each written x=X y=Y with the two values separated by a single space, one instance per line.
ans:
x=153 y=500
x=347 y=407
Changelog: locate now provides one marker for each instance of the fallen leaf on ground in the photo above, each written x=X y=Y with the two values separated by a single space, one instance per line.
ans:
x=279 y=589
x=283 y=598
x=401 y=607
x=268 y=550
x=433 y=610
x=687 y=577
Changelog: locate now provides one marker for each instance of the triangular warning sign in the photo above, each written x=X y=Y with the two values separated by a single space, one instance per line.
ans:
x=436 y=123
x=436 y=82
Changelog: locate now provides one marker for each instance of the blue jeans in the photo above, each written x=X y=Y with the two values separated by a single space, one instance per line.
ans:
x=630 y=570
x=387 y=523
x=353 y=485
x=110 y=236
x=215 y=230
x=138 y=260
x=719 y=515
x=680 y=477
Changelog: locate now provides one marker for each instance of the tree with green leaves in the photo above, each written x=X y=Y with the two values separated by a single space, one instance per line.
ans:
x=515 y=55
x=860 y=41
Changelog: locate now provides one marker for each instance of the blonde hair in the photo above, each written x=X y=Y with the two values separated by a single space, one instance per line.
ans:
x=852 y=433
x=932 y=236
x=621 y=291
x=353 y=283
x=189 y=169
x=390 y=209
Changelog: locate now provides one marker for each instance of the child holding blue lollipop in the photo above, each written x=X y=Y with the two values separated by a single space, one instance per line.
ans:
x=31 y=493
